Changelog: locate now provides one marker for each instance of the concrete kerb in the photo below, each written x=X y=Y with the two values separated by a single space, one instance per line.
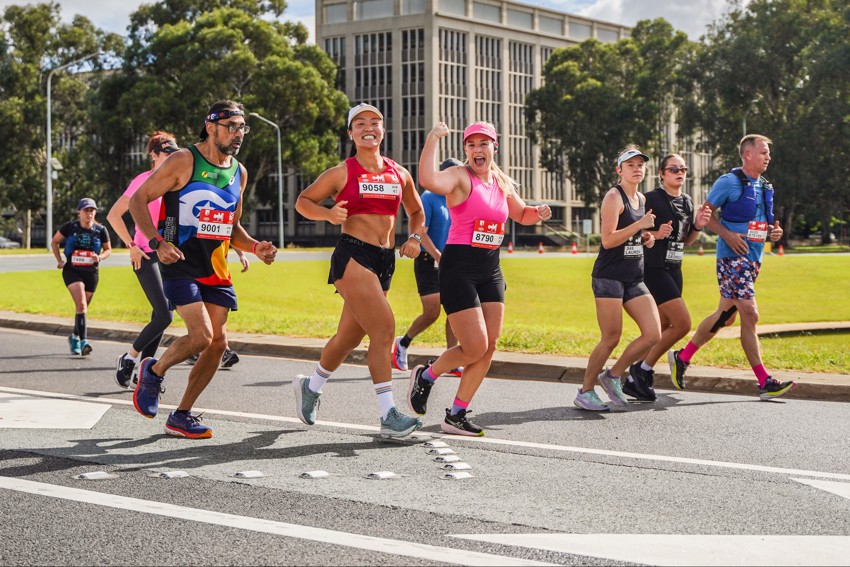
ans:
x=506 y=365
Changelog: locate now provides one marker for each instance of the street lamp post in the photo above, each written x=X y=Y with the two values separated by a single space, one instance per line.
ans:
x=279 y=176
x=749 y=108
x=49 y=158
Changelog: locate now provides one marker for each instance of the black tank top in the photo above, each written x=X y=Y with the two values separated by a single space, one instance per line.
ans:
x=668 y=252
x=624 y=262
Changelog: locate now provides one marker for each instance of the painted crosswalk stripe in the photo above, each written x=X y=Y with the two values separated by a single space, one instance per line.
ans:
x=697 y=550
x=369 y=543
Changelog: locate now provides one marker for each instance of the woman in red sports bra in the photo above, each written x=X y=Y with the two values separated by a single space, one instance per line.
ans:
x=368 y=189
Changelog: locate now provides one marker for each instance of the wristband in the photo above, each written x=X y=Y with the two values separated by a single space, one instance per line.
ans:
x=695 y=229
x=253 y=248
x=132 y=243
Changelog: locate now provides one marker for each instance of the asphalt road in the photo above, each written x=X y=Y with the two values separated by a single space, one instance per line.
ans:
x=699 y=479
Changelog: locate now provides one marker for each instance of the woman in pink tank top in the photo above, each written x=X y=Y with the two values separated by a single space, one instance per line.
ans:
x=480 y=197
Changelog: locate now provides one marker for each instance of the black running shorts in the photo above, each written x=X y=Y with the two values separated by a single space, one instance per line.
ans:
x=603 y=288
x=663 y=283
x=427 y=274
x=470 y=276
x=380 y=261
x=90 y=278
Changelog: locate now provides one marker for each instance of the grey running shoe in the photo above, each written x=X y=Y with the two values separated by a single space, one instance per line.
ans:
x=457 y=424
x=418 y=391
x=397 y=424
x=590 y=401
x=639 y=384
x=614 y=388
x=677 y=369
x=124 y=372
x=306 y=400
x=775 y=389
x=229 y=358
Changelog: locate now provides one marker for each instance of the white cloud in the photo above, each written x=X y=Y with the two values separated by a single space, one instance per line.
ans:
x=691 y=17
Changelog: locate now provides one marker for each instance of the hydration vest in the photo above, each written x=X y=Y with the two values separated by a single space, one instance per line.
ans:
x=744 y=209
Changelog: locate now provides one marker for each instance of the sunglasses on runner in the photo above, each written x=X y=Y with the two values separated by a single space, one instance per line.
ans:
x=676 y=170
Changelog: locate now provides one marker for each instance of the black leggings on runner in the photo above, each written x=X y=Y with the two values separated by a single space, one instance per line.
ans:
x=151 y=281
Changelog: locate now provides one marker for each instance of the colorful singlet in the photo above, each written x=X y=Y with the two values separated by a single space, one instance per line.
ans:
x=480 y=220
x=371 y=193
x=153 y=208
x=199 y=220
x=82 y=245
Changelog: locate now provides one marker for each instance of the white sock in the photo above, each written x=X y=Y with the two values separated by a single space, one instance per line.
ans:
x=384 y=391
x=645 y=366
x=318 y=379
x=133 y=358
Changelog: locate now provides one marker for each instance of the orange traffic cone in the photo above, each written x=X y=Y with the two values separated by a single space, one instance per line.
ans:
x=701 y=251
x=575 y=248
x=511 y=247
x=540 y=248
x=781 y=250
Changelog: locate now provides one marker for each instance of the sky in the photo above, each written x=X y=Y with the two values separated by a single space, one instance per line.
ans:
x=690 y=16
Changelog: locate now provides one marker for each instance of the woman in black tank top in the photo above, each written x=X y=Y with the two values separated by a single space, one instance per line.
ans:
x=618 y=283
x=663 y=270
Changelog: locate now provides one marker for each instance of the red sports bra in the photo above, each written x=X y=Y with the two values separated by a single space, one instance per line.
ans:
x=371 y=193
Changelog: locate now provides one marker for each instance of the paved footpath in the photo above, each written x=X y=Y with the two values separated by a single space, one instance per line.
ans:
x=517 y=366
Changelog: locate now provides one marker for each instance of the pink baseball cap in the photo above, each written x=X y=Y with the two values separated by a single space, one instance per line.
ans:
x=480 y=128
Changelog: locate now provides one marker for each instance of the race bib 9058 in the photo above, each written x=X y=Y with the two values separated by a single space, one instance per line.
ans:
x=379 y=186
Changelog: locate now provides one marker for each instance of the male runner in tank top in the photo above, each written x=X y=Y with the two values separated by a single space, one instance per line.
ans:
x=201 y=189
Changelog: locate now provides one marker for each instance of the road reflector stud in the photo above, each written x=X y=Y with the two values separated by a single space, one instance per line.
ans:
x=441 y=451
x=381 y=475
x=446 y=459
x=435 y=444
x=456 y=475
x=248 y=474
x=457 y=466
x=314 y=474
x=95 y=475
x=173 y=474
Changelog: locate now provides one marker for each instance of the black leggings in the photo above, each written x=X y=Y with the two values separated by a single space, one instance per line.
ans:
x=151 y=281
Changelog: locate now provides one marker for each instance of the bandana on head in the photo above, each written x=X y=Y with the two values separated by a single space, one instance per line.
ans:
x=222 y=114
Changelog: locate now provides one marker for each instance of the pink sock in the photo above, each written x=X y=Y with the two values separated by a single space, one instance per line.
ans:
x=761 y=374
x=687 y=353
x=459 y=405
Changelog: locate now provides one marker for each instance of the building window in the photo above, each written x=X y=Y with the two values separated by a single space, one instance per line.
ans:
x=488 y=80
x=579 y=31
x=486 y=12
x=520 y=19
x=336 y=13
x=554 y=26
x=410 y=7
x=453 y=87
x=373 y=77
x=456 y=7
x=606 y=35
x=371 y=9
x=335 y=48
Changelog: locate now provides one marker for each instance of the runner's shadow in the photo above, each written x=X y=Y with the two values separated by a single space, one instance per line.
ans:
x=190 y=454
x=286 y=382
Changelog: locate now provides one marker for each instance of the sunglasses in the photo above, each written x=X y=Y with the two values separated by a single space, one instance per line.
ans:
x=676 y=170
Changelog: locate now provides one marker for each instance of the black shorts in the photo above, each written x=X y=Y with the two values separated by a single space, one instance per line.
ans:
x=90 y=278
x=663 y=283
x=427 y=274
x=380 y=261
x=470 y=276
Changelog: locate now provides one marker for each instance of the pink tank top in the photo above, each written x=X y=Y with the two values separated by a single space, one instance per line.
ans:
x=153 y=207
x=480 y=220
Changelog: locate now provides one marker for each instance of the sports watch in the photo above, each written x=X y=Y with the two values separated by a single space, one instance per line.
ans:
x=154 y=242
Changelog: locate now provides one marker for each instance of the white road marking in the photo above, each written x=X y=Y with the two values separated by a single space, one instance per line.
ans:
x=666 y=549
x=369 y=543
x=840 y=488
x=38 y=412
x=481 y=440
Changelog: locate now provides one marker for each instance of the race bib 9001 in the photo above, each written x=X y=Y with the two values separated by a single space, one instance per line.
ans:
x=215 y=225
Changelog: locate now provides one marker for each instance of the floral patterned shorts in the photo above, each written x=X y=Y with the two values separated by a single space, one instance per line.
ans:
x=736 y=277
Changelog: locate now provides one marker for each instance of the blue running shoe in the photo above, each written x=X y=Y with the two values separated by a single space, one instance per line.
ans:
x=397 y=424
x=306 y=400
x=187 y=425
x=74 y=343
x=614 y=388
x=85 y=348
x=148 y=389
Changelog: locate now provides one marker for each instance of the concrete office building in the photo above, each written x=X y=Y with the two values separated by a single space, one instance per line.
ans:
x=420 y=61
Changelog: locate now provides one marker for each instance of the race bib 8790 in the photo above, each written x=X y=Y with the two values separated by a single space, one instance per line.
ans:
x=488 y=234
